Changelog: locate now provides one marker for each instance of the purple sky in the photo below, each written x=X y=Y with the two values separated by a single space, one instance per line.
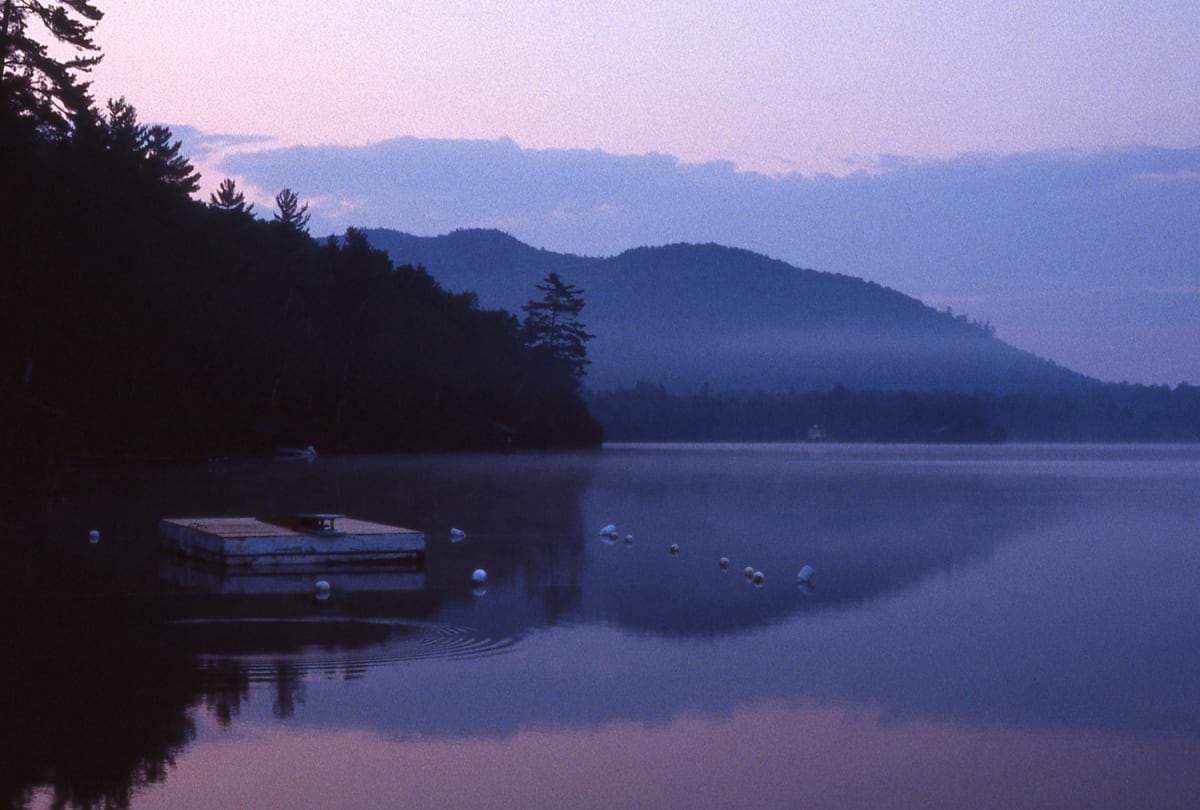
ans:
x=770 y=86
x=719 y=102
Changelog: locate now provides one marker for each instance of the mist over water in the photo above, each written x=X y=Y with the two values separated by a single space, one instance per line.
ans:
x=1034 y=605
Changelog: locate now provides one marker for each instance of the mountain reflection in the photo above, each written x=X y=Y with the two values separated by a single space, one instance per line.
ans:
x=117 y=651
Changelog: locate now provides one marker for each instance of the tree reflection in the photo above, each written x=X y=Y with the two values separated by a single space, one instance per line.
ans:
x=226 y=685
x=289 y=690
x=109 y=662
x=112 y=662
x=96 y=707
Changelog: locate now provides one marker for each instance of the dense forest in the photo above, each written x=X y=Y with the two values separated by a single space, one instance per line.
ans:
x=647 y=412
x=687 y=315
x=1110 y=413
x=136 y=320
x=709 y=343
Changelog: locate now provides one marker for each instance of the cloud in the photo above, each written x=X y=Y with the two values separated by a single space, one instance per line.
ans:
x=202 y=146
x=992 y=229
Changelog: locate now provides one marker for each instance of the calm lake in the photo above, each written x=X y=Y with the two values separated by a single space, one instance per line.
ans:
x=1014 y=626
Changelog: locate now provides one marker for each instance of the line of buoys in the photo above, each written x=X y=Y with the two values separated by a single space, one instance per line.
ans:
x=803 y=578
x=609 y=534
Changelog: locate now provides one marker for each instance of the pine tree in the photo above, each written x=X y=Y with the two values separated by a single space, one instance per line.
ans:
x=552 y=324
x=35 y=85
x=291 y=213
x=166 y=164
x=145 y=152
x=228 y=198
x=121 y=133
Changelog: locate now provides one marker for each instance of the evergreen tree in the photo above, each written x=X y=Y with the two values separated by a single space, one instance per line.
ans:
x=290 y=212
x=552 y=324
x=119 y=132
x=34 y=84
x=228 y=198
x=166 y=164
x=146 y=153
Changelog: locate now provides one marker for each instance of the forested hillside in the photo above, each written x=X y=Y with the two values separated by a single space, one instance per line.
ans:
x=689 y=315
x=139 y=321
x=136 y=320
x=704 y=342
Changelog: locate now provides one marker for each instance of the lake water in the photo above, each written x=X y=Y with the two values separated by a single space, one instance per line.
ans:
x=986 y=627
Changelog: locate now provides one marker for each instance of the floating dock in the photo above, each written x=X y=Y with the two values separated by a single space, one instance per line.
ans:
x=312 y=539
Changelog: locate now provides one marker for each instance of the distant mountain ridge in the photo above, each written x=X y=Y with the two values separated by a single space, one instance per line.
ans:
x=687 y=315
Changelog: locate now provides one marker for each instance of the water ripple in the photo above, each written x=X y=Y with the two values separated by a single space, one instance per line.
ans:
x=406 y=642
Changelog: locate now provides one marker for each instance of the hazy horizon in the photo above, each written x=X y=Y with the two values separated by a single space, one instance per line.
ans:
x=1089 y=259
x=1034 y=165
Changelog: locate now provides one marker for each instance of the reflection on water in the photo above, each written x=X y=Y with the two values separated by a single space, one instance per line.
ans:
x=1010 y=599
x=764 y=756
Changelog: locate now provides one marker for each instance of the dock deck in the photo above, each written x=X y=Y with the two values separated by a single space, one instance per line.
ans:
x=299 y=540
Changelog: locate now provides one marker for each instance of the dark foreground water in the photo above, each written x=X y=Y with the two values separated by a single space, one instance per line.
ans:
x=986 y=627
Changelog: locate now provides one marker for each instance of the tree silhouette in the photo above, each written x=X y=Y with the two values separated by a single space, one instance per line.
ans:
x=228 y=198
x=34 y=84
x=165 y=162
x=290 y=212
x=120 y=131
x=144 y=156
x=552 y=324
x=137 y=320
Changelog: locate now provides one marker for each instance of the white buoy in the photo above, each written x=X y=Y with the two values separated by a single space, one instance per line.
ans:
x=94 y=536
x=805 y=575
x=457 y=535
x=479 y=577
x=724 y=563
x=758 y=578
x=673 y=548
x=321 y=589
x=748 y=571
